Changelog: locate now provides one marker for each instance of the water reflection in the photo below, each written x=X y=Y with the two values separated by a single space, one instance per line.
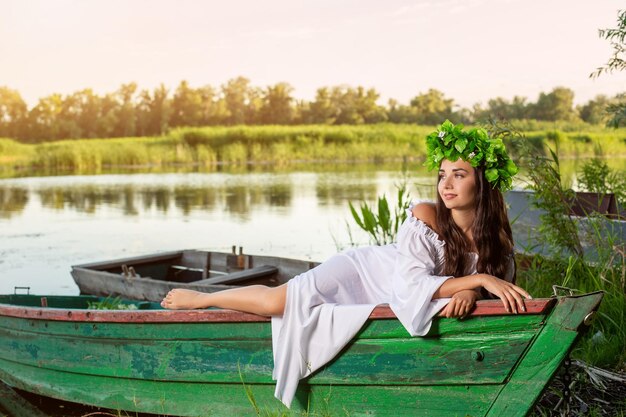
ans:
x=12 y=201
x=48 y=224
x=136 y=195
x=329 y=191
x=133 y=200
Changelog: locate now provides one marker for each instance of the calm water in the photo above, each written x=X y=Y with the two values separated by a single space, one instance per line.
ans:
x=48 y=224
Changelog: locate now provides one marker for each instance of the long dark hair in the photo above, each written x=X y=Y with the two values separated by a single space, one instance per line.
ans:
x=491 y=232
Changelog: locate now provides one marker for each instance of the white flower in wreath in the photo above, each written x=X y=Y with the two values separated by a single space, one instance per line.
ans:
x=441 y=134
x=471 y=155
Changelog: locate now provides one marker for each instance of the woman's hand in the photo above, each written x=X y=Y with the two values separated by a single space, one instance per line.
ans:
x=511 y=295
x=461 y=303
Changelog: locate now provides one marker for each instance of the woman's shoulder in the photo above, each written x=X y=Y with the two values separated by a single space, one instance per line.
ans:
x=426 y=212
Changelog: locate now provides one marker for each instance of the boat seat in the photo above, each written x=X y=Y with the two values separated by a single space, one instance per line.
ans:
x=239 y=276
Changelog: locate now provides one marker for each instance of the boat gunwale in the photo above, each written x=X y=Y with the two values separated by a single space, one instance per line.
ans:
x=381 y=312
x=102 y=265
x=170 y=255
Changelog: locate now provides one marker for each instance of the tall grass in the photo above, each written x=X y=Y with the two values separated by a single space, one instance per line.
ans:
x=584 y=254
x=14 y=153
x=276 y=145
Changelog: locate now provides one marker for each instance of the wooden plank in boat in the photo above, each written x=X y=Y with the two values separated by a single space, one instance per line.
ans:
x=240 y=276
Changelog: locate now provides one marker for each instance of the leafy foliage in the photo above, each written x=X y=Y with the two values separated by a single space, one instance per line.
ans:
x=109 y=303
x=617 y=37
x=382 y=225
x=597 y=177
x=602 y=263
x=133 y=112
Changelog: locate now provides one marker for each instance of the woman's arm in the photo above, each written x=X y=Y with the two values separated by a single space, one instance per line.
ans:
x=510 y=294
x=460 y=304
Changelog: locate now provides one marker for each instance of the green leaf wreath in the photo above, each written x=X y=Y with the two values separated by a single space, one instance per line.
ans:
x=475 y=146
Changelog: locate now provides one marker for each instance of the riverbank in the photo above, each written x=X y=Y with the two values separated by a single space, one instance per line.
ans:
x=210 y=147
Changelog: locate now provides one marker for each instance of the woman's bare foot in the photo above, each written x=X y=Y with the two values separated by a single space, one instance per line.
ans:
x=181 y=299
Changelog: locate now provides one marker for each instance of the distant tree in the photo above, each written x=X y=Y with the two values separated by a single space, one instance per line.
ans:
x=302 y=112
x=186 y=106
x=237 y=98
x=432 y=107
x=154 y=111
x=346 y=105
x=594 y=111
x=464 y=115
x=323 y=110
x=617 y=111
x=86 y=112
x=556 y=105
x=344 y=100
x=253 y=106
x=276 y=105
x=68 y=118
x=500 y=108
x=617 y=37
x=213 y=109
x=366 y=105
x=13 y=114
x=107 y=123
x=400 y=113
x=126 y=118
x=43 y=119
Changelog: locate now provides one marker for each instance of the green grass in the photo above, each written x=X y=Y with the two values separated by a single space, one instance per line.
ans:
x=13 y=153
x=275 y=145
x=604 y=344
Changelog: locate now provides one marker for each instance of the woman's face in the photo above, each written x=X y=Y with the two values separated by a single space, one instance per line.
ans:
x=457 y=184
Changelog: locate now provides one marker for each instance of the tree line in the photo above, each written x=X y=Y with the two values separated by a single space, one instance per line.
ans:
x=130 y=112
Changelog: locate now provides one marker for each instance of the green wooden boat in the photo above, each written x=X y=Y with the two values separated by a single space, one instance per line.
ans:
x=219 y=362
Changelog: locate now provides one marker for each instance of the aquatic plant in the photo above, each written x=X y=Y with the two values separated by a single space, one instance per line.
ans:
x=382 y=224
x=109 y=303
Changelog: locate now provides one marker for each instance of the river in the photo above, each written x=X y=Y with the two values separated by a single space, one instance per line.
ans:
x=49 y=223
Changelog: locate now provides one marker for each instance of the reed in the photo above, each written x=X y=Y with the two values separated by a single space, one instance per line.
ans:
x=14 y=153
x=275 y=145
x=583 y=254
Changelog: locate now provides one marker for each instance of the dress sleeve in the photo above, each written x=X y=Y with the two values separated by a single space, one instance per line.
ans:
x=416 y=276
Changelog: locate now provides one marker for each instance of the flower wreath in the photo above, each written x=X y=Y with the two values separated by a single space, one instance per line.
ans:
x=475 y=146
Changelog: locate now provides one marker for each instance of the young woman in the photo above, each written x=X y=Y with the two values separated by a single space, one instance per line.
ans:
x=465 y=236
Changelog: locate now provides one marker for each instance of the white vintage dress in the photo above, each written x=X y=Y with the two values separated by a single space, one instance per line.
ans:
x=328 y=305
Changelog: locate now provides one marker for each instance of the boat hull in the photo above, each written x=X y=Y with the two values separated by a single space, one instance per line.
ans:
x=217 y=362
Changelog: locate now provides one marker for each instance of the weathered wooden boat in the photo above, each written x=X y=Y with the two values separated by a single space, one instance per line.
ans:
x=150 y=277
x=219 y=362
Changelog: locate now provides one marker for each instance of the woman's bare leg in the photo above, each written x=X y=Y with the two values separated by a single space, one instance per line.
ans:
x=257 y=299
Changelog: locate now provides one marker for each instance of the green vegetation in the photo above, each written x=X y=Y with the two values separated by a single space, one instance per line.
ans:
x=616 y=109
x=13 y=153
x=382 y=226
x=129 y=112
x=109 y=303
x=276 y=145
x=584 y=254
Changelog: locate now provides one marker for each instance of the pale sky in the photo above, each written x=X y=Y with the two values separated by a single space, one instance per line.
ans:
x=472 y=50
